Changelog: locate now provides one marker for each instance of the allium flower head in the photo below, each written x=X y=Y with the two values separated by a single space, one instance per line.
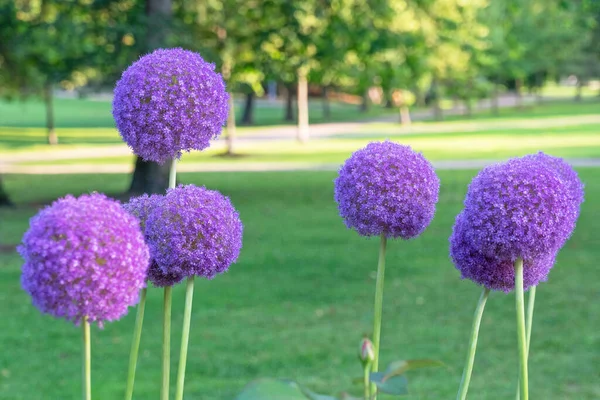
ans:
x=84 y=256
x=574 y=186
x=169 y=101
x=141 y=207
x=387 y=188
x=492 y=272
x=520 y=208
x=194 y=231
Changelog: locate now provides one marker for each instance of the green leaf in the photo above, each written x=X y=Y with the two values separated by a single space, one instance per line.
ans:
x=397 y=385
x=400 y=367
x=314 y=396
x=271 y=389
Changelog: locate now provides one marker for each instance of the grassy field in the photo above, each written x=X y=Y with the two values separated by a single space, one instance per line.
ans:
x=565 y=129
x=300 y=298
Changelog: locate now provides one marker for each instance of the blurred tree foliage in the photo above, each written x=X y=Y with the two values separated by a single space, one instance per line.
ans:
x=398 y=52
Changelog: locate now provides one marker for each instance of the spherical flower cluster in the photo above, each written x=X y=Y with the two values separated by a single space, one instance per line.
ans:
x=524 y=208
x=492 y=272
x=569 y=177
x=84 y=257
x=169 y=101
x=141 y=207
x=194 y=231
x=387 y=188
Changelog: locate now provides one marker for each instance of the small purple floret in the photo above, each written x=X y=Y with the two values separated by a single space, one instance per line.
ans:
x=169 y=101
x=194 y=231
x=387 y=188
x=141 y=207
x=84 y=256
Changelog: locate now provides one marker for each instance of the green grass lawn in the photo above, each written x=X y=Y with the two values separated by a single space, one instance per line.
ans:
x=300 y=298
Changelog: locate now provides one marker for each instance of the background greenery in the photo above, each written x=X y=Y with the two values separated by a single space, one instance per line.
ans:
x=300 y=298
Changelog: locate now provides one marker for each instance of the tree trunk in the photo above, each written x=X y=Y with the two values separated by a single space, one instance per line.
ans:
x=289 y=104
x=4 y=199
x=48 y=100
x=539 y=81
x=364 y=105
x=405 y=116
x=150 y=177
x=231 y=126
x=437 y=108
x=326 y=105
x=495 y=94
x=519 y=94
x=302 y=106
x=248 y=116
x=578 y=89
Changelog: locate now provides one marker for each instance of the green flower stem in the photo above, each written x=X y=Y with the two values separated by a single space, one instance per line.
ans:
x=185 y=336
x=173 y=174
x=366 y=372
x=466 y=378
x=521 y=337
x=87 y=360
x=135 y=345
x=166 y=348
x=528 y=327
x=378 y=309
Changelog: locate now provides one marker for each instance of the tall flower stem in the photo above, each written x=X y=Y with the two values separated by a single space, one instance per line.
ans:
x=528 y=327
x=166 y=348
x=466 y=378
x=521 y=337
x=185 y=336
x=378 y=308
x=366 y=372
x=87 y=360
x=173 y=174
x=135 y=345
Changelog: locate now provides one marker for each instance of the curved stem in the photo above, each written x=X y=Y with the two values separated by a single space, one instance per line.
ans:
x=378 y=308
x=166 y=348
x=466 y=377
x=87 y=360
x=135 y=345
x=185 y=336
x=521 y=337
x=528 y=327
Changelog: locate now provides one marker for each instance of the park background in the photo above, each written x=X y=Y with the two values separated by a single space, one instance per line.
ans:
x=465 y=82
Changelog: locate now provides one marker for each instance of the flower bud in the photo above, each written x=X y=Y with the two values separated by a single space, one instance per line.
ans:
x=366 y=353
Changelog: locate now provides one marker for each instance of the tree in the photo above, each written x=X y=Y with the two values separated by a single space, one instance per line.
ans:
x=50 y=43
x=149 y=176
x=4 y=199
x=228 y=33
x=289 y=43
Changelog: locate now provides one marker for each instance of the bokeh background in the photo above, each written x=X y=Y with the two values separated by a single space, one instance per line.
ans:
x=467 y=83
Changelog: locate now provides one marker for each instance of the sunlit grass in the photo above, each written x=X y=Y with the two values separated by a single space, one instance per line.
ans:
x=299 y=300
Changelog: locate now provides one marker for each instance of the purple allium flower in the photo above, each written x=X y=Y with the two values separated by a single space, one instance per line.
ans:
x=387 y=188
x=169 y=101
x=491 y=272
x=524 y=208
x=84 y=256
x=194 y=231
x=141 y=207
x=520 y=208
x=574 y=186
